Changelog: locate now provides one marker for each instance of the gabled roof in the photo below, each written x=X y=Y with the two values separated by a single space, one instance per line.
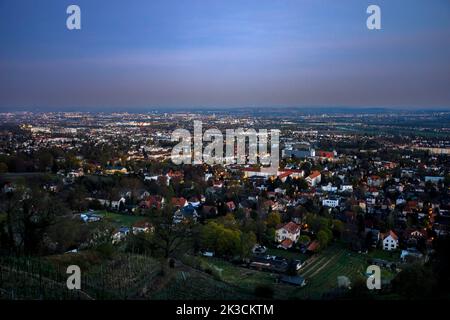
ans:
x=390 y=233
x=178 y=202
x=286 y=243
x=314 y=174
x=291 y=227
x=175 y=174
x=313 y=246
x=142 y=224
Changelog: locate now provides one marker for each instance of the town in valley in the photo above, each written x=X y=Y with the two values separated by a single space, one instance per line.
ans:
x=354 y=188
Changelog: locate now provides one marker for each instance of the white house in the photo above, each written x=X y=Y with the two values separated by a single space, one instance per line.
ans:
x=120 y=234
x=400 y=201
x=314 y=178
x=114 y=204
x=332 y=203
x=329 y=188
x=151 y=178
x=287 y=234
x=374 y=181
x=390 y=241
x=346 y=187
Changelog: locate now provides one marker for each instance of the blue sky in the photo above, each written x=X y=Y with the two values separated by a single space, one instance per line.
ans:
x=219 y=53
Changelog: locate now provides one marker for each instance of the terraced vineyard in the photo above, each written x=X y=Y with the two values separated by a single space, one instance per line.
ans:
x=22 y=285
x=195 y=285
x=129 y=276
x=120 y=278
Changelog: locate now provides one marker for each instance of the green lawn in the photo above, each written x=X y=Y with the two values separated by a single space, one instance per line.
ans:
x=239 y=276
x=322 y=270
x=246 y=280
x=287 y=254
x=120 y=219
x=392 y=256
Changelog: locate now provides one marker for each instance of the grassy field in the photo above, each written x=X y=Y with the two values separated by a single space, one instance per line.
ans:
x=391 y=256
x=120 y=219
x=246 y=280
x=287 y=254
x=321 y=272
x=242 y=277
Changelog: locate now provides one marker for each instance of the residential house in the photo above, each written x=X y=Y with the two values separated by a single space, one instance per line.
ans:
x=179 y=202
x=331 y=202
x=142 y=227
x=313 y=246
x=120 y=234
x=155 y=201
x=287 y=234
x=314 y=178
x=390 y=241
x=325 y=154
x=374 y=181
x=329 y=188
x=112 y=204
x=188 y=212
x=346 y=187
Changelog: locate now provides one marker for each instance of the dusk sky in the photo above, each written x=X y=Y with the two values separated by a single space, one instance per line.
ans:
x=223 y=53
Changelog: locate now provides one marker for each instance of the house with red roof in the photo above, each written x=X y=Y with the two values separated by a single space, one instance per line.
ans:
x=325 y=154
x=154 y=201
x=231 y=206
x=142 y=226
x=314 y=178
x=374 y=181
x=313 y=246
x=179 y=202
x=286 y=235
x=390 y=241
